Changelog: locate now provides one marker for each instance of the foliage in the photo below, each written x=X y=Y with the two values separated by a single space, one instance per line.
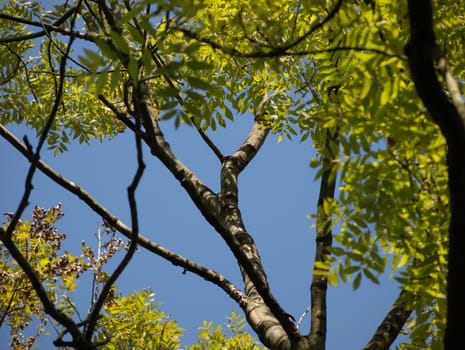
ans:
x=212 y=337
x=135 y=322
x=58 y=270
x=327 y=66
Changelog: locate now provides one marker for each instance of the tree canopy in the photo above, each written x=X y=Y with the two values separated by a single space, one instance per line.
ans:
x=376 y=85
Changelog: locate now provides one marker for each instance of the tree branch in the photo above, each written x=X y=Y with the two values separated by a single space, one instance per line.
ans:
x=202 y=196
x=92 y=37
x=232 y=229
x=159 y=62
x=5 y=235
x=392 y=324
x=423 y=54
x=319 y=286
x=275 y=51
x=93 y=317
x=33 y=278
x=177 y=260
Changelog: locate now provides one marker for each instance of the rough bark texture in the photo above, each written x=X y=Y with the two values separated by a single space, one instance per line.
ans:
x=424 y=56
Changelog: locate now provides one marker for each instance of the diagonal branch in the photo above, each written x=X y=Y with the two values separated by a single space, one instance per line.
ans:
x=92 y=37
x=33 y=278
x=177 y=260
x=392 y=324
x=159 y=62
x=202 y=196
x=5 y=235
x=263 y=305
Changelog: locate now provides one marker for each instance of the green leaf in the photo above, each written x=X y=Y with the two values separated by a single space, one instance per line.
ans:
x=198 y=83
x=357 y=281
x=370 y=276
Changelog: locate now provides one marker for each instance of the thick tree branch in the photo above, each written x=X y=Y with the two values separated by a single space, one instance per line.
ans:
x=263 y=305
x=424 y=58
x=392 y=324
x=202 y=196
x=319 y=286
x=177 y=260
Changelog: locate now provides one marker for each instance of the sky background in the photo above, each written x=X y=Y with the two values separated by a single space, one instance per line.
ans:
x=276 y=193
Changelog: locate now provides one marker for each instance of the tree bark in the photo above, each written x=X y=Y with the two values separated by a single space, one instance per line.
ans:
x=392 y=324
x=425 y=59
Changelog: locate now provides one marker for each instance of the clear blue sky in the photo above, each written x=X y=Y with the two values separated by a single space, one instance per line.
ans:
x=276 y=191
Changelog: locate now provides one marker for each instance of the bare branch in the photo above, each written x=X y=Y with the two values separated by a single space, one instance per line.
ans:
x=254 y=140
x=392 y=324
x=319 y=286
x=159 y=62
x=177 y=260
x=232 y=229
x=93 y=317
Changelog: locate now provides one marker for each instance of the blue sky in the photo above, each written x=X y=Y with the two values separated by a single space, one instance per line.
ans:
x=276 y=191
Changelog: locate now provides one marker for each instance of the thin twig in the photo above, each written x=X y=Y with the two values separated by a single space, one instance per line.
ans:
x=134 y=237
x=159 y=62
x=25 y=37
x=284 y=52
x=275 y=51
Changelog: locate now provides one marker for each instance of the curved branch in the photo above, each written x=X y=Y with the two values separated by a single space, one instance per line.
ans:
x=93 y=317
x=275 y=51
x=263 y=305
x=280 y=53
x=177 y=260
x=254 y=140
x=5 y=235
